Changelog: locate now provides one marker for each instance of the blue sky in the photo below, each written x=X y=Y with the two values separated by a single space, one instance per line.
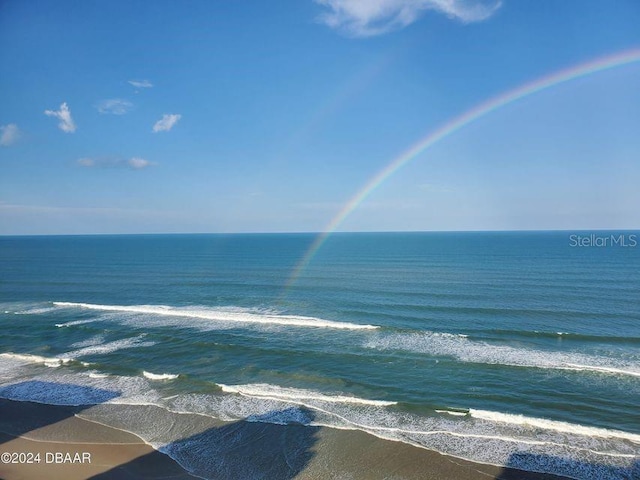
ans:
x=253 y=116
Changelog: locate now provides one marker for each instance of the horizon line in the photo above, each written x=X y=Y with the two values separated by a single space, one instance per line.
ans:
x=539 y=230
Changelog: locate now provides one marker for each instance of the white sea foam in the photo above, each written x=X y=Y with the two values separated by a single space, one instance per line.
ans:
x=162 y=376
x=109 y=347
x=551 y=446
x=29 y=358
x=65 y=387
x=34 y=311
x=225 y=315
x=466 y=350
x=453 y=412
x=542 y=423
x=89 y=342
x=76 y=322
x=296 y=394
x=490 y=437
x=63 y=359
x=593 y=368
x=449 y=436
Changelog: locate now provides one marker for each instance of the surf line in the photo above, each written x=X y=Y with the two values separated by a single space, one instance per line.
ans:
x=452 y=126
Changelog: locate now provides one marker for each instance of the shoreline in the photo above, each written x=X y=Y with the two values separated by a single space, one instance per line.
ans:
x=61 y=446
x=240 y=449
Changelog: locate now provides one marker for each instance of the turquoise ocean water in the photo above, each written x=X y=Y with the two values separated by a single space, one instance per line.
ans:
x=519 y=349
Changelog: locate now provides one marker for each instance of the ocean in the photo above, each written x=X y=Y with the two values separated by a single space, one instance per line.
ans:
x=518 y=349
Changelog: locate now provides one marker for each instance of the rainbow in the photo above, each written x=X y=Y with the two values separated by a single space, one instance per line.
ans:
x=452 y=126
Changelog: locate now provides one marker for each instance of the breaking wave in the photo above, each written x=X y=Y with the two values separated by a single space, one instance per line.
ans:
x=297 y=395
x=465 y=350
x=162 y=376
x=224 y=315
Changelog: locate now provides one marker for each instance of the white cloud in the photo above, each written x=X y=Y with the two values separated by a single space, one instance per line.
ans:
x=64 y=115
x=138 y=163
x=10 y=134
x=86 y=162
x=141 y=83
x=135 y=163
x=166 y=123
x=114 y=106
x=365 y=18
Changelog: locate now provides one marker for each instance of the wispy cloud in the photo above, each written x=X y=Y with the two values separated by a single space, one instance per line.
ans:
x=365 y=18
x=114 y=106
x=141 y=83
x=138 y=163
x=166 y=123
x=20 y=208
x=17 y=208
x=64 y=115
x=9 y=135
x=134 y=163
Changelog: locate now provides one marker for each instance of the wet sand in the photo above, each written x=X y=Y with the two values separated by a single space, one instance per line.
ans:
x=89 y=450
x=71 y=448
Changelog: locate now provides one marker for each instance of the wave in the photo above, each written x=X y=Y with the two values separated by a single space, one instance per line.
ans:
x=76 y=322
x=136 y=404
x=64 y=387
x=296 y=394
x=89 y=342
x=593 y=368
x=466 y=350
x=34 y=311
x=227 y=315
x=584 y=337
x=542 y=423
x=475 y=439
x=551 y=446
x=72 y=356
x=110 y=347
x=23 y=358
x=456 y=413
x=162 y=376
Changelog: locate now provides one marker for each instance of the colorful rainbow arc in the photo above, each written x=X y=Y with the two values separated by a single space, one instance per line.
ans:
x=479 y=111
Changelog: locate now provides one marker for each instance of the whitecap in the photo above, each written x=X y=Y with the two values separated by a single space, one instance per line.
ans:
x=465 y=350
x=230 y=315
x=297 y=394
x=162 y=376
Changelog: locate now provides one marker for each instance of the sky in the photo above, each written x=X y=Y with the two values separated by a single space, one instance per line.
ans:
x=222 y=116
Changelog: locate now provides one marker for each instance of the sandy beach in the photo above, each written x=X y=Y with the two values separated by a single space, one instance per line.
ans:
x=63 y=446
x=71 y=448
